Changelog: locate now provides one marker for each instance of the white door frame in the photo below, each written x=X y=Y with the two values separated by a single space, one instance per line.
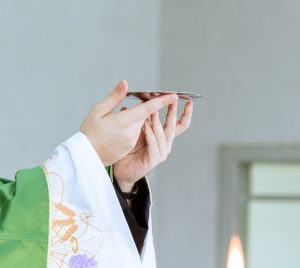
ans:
x=234 y=162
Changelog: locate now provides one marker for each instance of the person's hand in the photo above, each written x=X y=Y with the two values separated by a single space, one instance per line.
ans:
x=153 y=146
x=114 y=134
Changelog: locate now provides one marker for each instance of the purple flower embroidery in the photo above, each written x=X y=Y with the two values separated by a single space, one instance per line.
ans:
x=82 y=261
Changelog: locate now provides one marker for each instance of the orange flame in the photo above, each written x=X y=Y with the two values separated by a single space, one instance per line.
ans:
x=235 y=253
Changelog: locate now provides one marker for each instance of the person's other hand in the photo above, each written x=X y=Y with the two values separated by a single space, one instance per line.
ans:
x=153 y=146
x=114 y=134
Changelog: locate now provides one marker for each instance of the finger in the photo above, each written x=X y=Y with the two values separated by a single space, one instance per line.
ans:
x=152 y=146
x=159 y=134
x=113 y=100
x=143 y=110
x=170 y=125
x=185 y=119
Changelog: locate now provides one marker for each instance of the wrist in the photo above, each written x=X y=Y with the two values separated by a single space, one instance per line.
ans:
x=125 y=187
x=99 y=150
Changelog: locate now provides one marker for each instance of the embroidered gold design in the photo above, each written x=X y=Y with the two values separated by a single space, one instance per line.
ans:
x=63 y=222
x=65 y=210
x=72 y=230
x=75 y=244
x=69 y=233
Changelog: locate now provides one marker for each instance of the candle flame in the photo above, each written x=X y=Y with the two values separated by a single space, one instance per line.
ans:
x=235 y=253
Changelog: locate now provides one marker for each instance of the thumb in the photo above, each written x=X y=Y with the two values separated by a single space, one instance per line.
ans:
x=113 y=99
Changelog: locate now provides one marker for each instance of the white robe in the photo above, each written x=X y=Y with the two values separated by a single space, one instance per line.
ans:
x=86 y=218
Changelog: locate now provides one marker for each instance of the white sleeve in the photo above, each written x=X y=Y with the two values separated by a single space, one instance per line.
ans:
x=86 y=222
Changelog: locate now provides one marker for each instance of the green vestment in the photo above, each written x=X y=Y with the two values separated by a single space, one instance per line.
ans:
x=24 y=220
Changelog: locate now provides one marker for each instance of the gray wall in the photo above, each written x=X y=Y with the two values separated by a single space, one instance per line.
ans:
x=242 y=57
x=57 y=58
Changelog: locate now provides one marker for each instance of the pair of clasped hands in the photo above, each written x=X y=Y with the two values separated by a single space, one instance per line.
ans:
x=134 y=140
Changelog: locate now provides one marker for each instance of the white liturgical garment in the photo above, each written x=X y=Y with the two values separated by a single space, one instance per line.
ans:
x=87 y=224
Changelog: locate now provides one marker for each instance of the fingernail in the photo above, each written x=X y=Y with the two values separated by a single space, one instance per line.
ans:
x=173 y=97
x=120 y=87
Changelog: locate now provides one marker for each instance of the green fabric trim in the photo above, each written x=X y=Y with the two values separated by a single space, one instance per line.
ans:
x=108 y=169
x=24 y=220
